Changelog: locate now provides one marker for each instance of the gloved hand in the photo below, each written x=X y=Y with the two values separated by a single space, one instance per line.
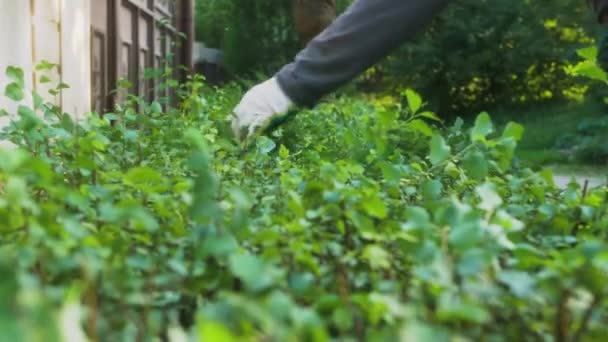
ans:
x=258 y=108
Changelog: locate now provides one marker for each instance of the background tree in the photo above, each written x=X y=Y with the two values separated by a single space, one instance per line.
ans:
x=506 y=52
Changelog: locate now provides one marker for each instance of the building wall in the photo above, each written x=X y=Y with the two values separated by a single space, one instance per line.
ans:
x=57 y=31
x=15 y=36
x=94 y=42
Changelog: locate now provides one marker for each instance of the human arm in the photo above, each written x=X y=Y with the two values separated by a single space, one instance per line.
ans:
x=368 y=31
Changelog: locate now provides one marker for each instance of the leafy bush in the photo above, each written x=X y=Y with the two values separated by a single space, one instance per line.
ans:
x=357 y=220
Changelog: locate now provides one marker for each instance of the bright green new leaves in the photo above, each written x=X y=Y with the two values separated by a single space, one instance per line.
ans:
x=422 y=127
x=588 y=52
x=414 y=100
x=429 y=115
x=440 y=150
x=213 y=331
x=45 y=65
x=375 y=207
x=145 y=179
x=588 y=67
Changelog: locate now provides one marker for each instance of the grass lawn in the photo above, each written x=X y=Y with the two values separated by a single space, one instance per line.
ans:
x=545 y=125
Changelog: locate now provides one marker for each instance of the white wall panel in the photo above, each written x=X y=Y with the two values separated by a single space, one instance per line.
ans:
x=76 y=55
x=57 y=31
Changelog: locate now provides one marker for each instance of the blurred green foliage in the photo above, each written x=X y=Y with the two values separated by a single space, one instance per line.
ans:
x=362 y=219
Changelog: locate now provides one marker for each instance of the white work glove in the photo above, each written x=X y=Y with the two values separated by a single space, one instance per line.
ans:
x=258 y=107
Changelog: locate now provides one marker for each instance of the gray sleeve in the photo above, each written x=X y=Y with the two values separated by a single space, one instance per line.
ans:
x=360 y=37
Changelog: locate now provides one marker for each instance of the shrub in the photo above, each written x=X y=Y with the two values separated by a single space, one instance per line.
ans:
x=357 y=220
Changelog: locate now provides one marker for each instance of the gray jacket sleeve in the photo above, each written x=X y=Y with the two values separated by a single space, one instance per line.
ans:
x=360 y=37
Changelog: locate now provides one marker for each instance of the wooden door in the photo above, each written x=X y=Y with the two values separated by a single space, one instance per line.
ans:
x=132 y=36
x=99 y=55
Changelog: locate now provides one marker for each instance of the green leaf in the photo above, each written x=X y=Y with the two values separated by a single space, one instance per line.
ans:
x=476 y=165
x=374 y=206
x=254 y=273
x=483 y=127
x=12 y=160
x=213 y=331
x=283 y=152
x=16 y=74
x=465 y=233
x=430 y=115
x=432 y=189
x=473 y=261
x=301 y=282
x=414 y=100
x=588 y=69
x=38 y=100
x=220 y=246
x=156 y=107
x=377 y=257
x=45 y=66
x=265 y=145
x=418 y=216
x=16 y=191
x=44 y=79
x=414 y=330
x=124 y=84
x=421 y=127
x=440 y=151
x=343 y=318
x=28 y=118
x=513 y=130
x=520 y=283
x=508 y=222
x=14 y=92
x=506 y=151
x=490 y=200
x=142 y=175
x=454 y=309
x=588 y=52
x=144 y=179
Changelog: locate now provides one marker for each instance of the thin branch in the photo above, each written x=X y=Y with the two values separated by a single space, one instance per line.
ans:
x=582 y=330
x=562 y=318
